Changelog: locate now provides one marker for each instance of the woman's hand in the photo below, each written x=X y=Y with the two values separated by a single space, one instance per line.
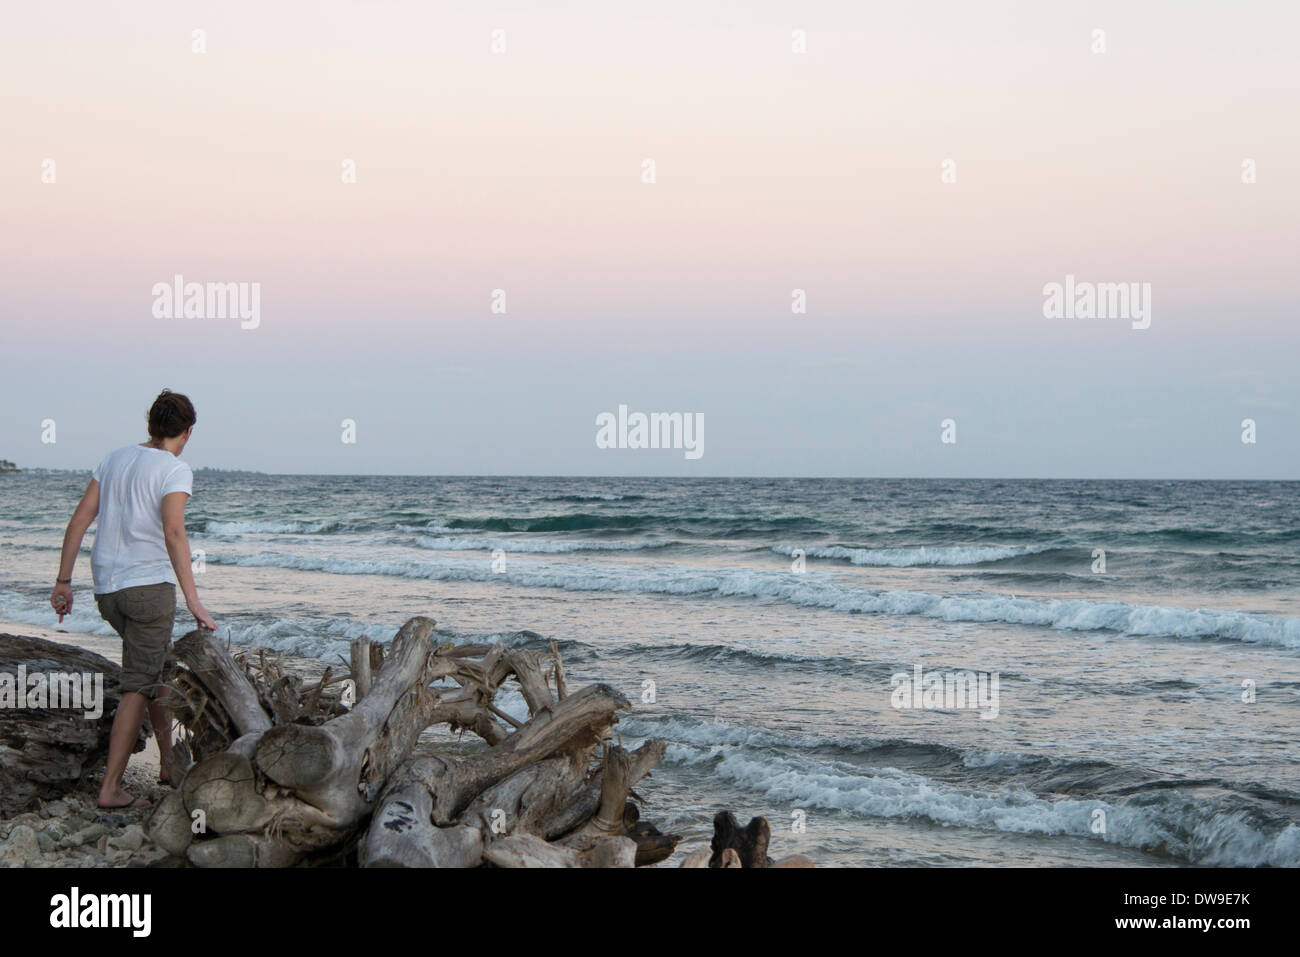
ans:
x=61 y=600
x=201 y=614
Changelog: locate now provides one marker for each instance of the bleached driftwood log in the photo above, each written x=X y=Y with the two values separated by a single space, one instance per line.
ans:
x=213 y=665
x=339 y=767
x=429 y=806
x=281 y=775
x=526 y=850
x=296 y=788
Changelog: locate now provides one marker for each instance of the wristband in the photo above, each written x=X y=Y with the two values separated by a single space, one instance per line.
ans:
x=63 y=581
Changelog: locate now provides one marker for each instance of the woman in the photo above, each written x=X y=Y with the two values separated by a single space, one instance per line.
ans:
x=140 y=554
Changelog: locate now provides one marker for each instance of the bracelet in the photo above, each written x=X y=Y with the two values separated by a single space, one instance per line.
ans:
x=63 y=581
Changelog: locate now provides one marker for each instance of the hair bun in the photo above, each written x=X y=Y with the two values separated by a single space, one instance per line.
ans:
x=170 y=415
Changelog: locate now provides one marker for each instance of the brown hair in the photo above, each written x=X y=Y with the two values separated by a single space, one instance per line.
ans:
x=170 y=415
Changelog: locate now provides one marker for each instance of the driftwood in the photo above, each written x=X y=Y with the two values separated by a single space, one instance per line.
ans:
x=292 y=789
x=221 y=676
x=46 y=752
x=652 y=845
x=526 y=850
x=275 y=772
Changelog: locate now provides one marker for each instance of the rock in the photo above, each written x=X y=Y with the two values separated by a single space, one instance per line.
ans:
x=88 y=834
x=21 y=846
x=54 y=809
x=130 y=839
x=45 y=842
x=28 y=818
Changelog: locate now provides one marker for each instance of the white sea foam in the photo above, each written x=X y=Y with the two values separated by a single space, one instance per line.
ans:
x=954 y=555
x=273 y=528
x=818 y=591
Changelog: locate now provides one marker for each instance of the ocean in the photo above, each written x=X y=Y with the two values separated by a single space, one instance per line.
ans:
x=1136 y=643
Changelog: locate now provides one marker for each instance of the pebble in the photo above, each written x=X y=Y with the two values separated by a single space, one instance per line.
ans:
x=21 y=846
x=54 y=809
x=28 y=818
x=130 y=839
x=91 y=832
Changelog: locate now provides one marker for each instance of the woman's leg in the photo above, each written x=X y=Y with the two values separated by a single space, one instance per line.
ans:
x=161 y=719
x=121 y=740
x=126 y=723
x=147 y=613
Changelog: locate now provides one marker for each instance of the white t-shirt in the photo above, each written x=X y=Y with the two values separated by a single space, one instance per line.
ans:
x=129 y=548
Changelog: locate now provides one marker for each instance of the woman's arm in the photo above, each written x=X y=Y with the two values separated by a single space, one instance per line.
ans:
x=82 y=516
x=178 y=549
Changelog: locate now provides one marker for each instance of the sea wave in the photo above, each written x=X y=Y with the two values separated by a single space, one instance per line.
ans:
x=599 y=497
x=1167 y=821
x=819 y=591
x=953 y=555
x=531 y=546
x=272 y=528
x=726 y=526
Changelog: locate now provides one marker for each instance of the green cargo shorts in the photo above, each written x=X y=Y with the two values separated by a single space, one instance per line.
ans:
x=143 y=615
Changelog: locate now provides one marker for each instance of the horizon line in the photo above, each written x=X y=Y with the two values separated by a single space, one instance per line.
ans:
x=851 y=478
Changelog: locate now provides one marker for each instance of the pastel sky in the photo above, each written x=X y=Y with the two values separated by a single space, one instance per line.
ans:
x=522 y=171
